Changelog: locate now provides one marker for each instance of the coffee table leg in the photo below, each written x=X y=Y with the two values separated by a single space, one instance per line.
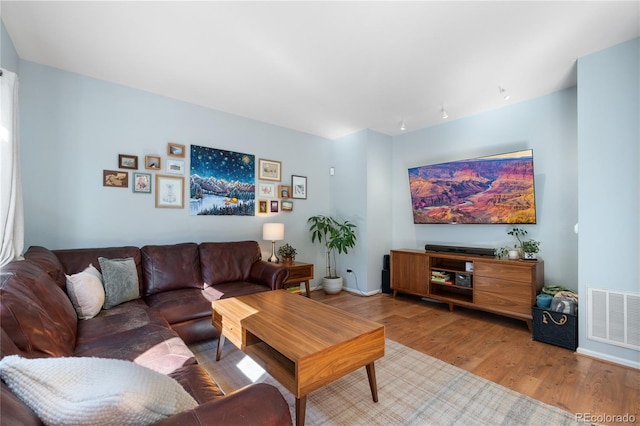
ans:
x=220 y=345
x=371 y=373
x=301 y=409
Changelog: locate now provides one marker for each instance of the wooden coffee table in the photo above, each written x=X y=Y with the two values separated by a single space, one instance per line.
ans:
x=300 y=342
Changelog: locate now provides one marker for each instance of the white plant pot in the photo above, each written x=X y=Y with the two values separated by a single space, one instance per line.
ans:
x=530 y=256
x=514 y=254
x=332 y=285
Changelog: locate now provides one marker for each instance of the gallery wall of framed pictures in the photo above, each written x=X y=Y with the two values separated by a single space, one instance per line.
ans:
x=273 y=193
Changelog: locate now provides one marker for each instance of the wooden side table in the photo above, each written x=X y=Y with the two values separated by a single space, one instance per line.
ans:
x=299 y=272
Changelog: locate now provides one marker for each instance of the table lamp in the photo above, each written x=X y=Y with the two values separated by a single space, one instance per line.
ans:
x=273 y=232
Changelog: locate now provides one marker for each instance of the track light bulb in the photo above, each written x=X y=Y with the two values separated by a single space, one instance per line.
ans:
x=504 y=93
x=402 y=126
x=444 y=114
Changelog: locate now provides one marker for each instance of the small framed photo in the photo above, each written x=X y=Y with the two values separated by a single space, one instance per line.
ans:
x=152 y=162
x=175 y=167
x=284 y=191
x=269 y=170
x=299 y=187
x=128 y=161
x=115 y=179
x=262 y=206
x=175 y=150
x=287 y=206
x=274 y=206
x=169 y=192
x=267 y=190
x=142 y=183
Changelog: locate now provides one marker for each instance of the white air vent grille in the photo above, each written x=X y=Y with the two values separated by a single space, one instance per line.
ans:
x=614 y=318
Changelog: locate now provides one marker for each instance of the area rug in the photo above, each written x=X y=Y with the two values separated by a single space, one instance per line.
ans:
x=413 y=389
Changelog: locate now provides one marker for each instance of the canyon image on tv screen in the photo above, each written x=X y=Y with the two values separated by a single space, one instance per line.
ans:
x=497 y=189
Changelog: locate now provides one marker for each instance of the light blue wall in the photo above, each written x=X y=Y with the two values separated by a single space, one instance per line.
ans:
x=609 y=189
x=548 y=126
x=8 y=56
x=74 y=127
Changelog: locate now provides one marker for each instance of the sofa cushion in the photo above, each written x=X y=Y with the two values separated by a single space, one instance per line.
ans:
x=180 y=305
x=86 y=292
x=230 y=261
x=63 y=390
x=120 y=279
x=233 y=289
x=48 y=261
x=170 y=267
x=34 y=312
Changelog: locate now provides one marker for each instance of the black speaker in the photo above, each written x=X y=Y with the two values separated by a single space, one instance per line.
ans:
x=386 y=275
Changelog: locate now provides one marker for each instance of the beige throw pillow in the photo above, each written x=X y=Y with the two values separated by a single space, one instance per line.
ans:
x=86 y=292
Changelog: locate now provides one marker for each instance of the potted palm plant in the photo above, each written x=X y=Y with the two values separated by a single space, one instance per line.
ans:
x=335 y=236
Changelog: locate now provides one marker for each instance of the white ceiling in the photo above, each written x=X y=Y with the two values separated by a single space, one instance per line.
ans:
x=325 y=68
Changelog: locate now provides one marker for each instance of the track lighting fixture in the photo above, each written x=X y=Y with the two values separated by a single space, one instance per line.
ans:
x=444 y=113
x=402 y=125
x=504 y=93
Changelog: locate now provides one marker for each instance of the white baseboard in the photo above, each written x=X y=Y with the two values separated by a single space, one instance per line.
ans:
x=605 y=357
x=350 y=290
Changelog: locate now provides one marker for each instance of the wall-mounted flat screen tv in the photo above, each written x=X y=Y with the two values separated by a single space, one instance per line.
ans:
x=496 y=189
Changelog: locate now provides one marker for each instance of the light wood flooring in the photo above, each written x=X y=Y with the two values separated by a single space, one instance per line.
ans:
x=501 y=350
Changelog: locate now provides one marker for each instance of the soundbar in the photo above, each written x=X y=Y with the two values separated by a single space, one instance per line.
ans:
x=478 y=251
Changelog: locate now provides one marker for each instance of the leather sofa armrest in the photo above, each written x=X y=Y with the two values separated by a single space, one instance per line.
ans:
x=258 y=404
x=273 y=275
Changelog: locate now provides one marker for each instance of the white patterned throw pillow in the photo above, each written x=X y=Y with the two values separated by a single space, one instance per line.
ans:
x=97 y=391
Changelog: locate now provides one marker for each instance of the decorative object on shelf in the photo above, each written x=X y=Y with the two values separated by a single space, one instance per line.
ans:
x=169 y=192
x=336 y=236
x=530 y=249
x=128 y=161
x=175 y=150
x=517 y=233
x=299 y=187
x=152 y=162
x=269 y=170
x=273 y=232
x=115 y=178
x=288 y=253
x=142 y=182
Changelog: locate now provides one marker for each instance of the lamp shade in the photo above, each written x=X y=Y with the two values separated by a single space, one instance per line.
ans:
x=273 y=231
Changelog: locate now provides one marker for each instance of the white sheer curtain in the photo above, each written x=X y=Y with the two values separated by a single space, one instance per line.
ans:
x=11 y=211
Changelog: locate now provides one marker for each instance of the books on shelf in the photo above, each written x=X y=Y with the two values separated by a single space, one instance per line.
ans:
x=440 y=277
x=294 y=289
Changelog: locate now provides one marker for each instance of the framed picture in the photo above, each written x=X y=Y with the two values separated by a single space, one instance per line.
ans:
x=128 y=161
x=284 y=191
x=262 y=206
x=267 y=190
x=115 y=178
x=269 y=170
x=169 y=191
x=175 y=167
x=142 y=182
x=175 y=150
x=287 y=206
x=274 y=206
x=152 y=162
x=299 y=187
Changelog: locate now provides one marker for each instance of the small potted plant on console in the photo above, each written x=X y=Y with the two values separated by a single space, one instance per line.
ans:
x=288 y=253
x=530 y=249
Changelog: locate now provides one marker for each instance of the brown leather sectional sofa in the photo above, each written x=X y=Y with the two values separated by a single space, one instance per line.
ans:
x=177 y=283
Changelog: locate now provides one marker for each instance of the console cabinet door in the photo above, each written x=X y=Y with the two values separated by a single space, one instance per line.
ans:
x=410 y=273
x=501 y=287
